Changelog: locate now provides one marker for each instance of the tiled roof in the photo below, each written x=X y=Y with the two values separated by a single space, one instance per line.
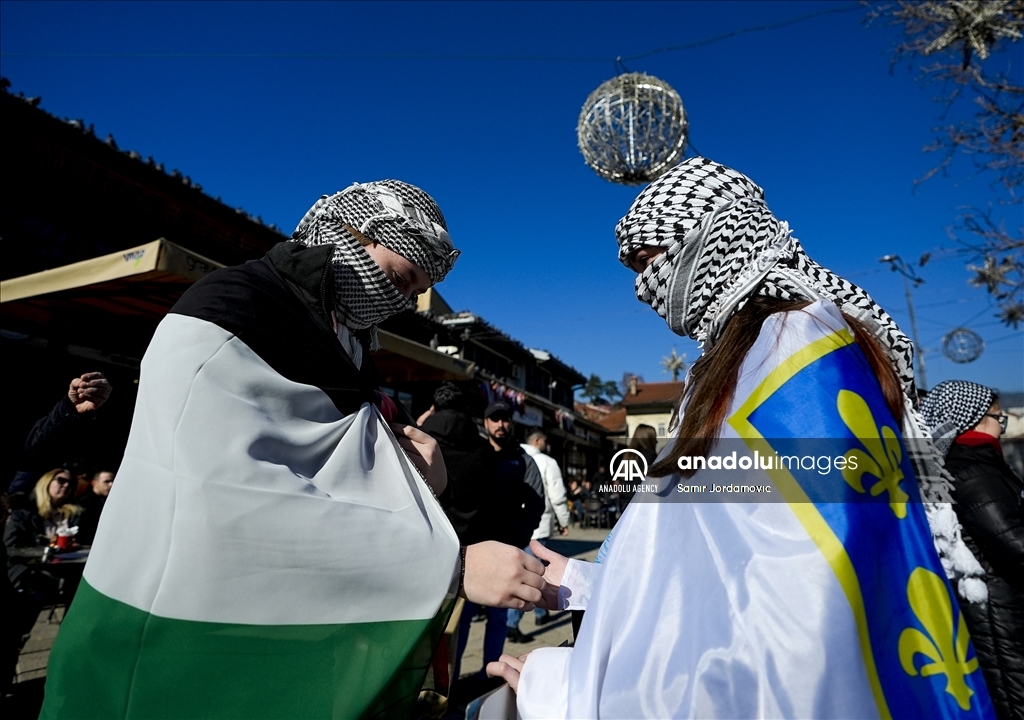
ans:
x=666 y=393
x=610 y=417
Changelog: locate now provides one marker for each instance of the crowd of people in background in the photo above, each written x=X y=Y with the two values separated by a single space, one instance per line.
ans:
x=54 y=497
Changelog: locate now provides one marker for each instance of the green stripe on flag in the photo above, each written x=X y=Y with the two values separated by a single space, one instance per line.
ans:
x=111 y=660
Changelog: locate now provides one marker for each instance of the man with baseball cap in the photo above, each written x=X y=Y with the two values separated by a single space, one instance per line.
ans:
x=499 y=497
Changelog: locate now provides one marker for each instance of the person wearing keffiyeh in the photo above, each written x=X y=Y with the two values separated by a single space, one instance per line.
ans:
x=277 y=544
x=966 y=421
x=808 y=607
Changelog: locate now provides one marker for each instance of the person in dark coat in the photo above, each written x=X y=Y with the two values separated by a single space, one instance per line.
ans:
x=457 y=435
x=61 y=433
x=498 y=495
x=967 y=421
x=92 y=505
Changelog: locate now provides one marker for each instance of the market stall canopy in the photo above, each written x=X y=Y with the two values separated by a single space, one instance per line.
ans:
x=392 y=361
x=115 y=299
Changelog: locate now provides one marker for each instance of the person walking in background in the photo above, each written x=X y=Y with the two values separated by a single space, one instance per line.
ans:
x=645 y=440
x=458 y=437
x=967 y=421
x=505 y=502
x=555 y=518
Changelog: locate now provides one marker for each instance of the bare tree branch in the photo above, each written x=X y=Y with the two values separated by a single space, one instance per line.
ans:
x=961 y=34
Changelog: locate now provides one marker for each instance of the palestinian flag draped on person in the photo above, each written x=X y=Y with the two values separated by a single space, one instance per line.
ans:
x=270 y=549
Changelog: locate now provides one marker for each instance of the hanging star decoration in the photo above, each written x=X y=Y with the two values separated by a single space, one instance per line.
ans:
x=978 y=24
x=991 y=275
x=674 y=364
x=1012 y=315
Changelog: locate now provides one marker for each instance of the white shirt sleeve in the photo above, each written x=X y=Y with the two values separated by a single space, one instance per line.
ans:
x=544 y=684
x=556 y=493
x=577 y=584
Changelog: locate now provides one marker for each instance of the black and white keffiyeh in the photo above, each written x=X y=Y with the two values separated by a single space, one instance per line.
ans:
x=399 y=216
x=953 y=407
x=722 y=246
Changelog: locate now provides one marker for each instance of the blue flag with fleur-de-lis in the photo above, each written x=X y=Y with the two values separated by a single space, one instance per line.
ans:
x=794 y=575
x=913 y=636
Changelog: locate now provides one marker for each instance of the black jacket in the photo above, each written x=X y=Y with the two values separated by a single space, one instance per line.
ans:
x=988 y=498
x=25 y=527
x=496 y=496
x=59 y=435
x=92 y=506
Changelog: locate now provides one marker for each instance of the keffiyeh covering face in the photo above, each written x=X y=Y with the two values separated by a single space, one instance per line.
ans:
x=399 y=216
x=722 y=246
x=952 y=408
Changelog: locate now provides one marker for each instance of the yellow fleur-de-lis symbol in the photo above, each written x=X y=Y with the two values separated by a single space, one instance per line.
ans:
x=943 y=654
x=880 y=457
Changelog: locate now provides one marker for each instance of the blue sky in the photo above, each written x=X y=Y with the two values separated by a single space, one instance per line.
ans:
x=270 y=105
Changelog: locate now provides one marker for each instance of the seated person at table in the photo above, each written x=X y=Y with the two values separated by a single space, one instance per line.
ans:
x=92 y=504
x=36 y=517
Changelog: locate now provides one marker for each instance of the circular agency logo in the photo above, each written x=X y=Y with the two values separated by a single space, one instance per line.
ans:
x=627 y=470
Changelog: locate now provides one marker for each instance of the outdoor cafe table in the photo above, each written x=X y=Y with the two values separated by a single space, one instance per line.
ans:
x=34 y=556
x=67 y=566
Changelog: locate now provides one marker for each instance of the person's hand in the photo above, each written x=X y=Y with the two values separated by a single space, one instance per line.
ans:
x=89 y=392
x=563 y=531
x=424 y=453
x=427 y=413
x=508 y=668
x=552 y=574
x=499 y=575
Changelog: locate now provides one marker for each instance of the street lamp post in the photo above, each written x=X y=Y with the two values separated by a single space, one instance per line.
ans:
x=898 y=264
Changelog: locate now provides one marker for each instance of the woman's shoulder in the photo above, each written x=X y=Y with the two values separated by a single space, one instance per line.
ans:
x=964 y=459
x=785 y=334
x=820 y=318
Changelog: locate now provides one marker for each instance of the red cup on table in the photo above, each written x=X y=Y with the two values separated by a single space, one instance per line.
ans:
x=63 y=542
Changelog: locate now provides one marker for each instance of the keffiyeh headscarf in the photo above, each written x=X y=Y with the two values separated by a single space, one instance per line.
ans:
x=953 y=407
x=723 y=246
x=399 y=216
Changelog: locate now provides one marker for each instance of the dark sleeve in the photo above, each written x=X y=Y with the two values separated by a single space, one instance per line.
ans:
x=50 y=441
x=20 y=530
x=87 y=523
x=988 y=506
x=466 y=473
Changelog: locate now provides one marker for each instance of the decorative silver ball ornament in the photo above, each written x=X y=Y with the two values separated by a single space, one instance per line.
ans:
x=962 y=345
x=632 y=129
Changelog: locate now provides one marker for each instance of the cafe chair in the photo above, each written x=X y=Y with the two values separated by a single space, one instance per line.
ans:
x=595 y=512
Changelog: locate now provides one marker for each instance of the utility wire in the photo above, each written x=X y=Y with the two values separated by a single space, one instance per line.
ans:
x=1004 y=337
x=619 y=61
x=734 y=33
x=966 y=323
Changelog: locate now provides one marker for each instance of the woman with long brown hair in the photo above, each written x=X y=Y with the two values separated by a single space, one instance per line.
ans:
x=750 y=583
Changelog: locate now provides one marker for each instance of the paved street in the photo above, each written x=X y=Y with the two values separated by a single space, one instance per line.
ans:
x=582 y=543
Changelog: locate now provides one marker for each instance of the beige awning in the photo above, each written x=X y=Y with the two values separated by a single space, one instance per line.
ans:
x=122 y=296
x=398 y=368
x=145 y=280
